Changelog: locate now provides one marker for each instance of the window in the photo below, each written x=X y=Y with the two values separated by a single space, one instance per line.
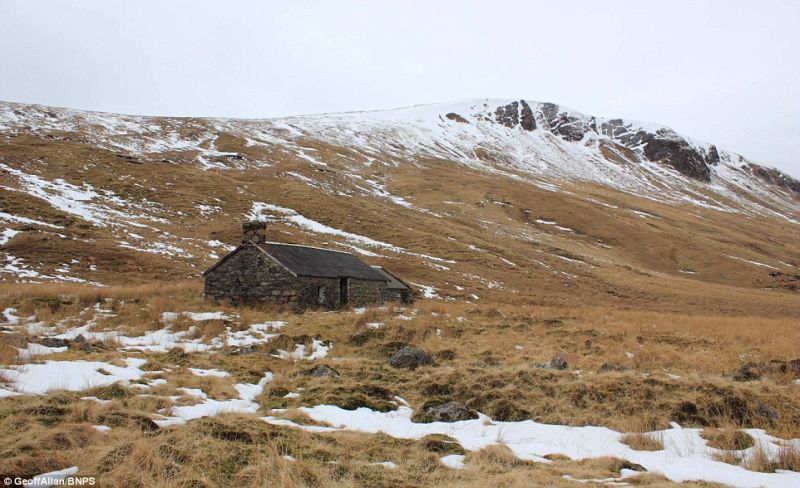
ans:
x=322 y=294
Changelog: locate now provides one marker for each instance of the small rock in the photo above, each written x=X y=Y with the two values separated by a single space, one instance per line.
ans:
x=559 y=361
x=79 y=338
x=322 y=370
x=410 y=357
x=451 y=412
x=53 y=342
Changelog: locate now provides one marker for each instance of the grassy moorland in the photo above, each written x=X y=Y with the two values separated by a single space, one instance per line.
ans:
x=632 y=371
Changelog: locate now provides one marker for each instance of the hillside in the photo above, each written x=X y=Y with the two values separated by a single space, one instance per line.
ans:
x=600 y=302
x=505 y=200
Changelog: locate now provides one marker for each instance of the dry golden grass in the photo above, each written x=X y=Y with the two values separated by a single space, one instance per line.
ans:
x=477 y=362
x=760 y=460
x=9 y=355
x=788 y=458
x=729 y=457
x=493 y=455
x=215 y=387
x=729 y=439
x=641 y=441
x=89 y=295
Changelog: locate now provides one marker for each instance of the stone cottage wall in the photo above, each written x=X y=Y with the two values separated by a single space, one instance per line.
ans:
x=365 y=292
x=310 y=297
x=392 y=296
x=250 y=276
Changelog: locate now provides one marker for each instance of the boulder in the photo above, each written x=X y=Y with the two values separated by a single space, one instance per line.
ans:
x=411 y=358
x=451 y=412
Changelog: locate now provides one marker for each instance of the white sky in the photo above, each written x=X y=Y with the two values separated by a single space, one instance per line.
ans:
x=722 y=71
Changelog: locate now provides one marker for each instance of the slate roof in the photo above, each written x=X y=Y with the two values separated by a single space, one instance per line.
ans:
x=324 y=263
x=394 y=282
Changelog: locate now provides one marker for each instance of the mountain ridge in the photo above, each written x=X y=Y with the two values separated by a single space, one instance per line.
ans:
x=475 y=100
x=690 y=156
x=485 y=206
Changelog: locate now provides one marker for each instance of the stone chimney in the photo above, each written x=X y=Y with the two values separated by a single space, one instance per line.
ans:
x=255 y=231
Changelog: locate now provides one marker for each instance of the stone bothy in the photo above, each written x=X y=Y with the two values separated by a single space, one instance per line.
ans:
x=306 y=277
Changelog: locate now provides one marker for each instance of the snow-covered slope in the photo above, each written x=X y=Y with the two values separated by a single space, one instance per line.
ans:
x=534 y=140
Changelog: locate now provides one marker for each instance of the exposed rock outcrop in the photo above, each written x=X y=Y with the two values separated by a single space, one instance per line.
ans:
x=775 y=177
x=562 y=123
x=668 y=148
x=527 y=120
x=507 y=115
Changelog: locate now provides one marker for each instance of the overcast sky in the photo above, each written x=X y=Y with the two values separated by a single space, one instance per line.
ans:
x=722 y=71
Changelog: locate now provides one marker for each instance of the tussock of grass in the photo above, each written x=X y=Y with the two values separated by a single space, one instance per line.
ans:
x=643 y=441
x=788 y=458
x=492 y=456
x=760 y=460
x=729 y=439
x=729 y=457
x=440 y=444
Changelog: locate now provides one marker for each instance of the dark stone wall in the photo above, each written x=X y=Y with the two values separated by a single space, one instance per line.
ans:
x=318 y=292
x=365 y=292
x=250 y=275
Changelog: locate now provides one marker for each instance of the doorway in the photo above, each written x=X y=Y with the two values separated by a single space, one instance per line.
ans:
x=343 y=291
